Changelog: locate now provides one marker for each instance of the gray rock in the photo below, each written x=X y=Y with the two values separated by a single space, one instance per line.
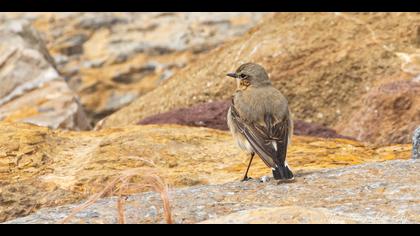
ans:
x=416 y=143
x=120 y=58
x=29 y=37
x=118 y=100
x=282 y=215
x=386 y=192
x=31 y=89
x=135 y=74
x=60 y=59
x=166 y=74
x=73 y=45
x=94 y=22
x=93 y=64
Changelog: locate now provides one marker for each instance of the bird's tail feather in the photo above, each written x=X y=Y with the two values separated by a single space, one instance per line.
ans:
x=282 y=172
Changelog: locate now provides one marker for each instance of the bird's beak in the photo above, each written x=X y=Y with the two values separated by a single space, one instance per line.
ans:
x=233 y=75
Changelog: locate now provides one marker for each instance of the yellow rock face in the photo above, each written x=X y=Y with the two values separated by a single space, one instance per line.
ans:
x=41 y=167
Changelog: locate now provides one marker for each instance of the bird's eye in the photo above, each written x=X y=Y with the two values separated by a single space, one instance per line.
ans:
x=243 y=76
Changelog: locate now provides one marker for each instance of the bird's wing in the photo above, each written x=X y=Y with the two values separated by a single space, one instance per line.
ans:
x=269 y=141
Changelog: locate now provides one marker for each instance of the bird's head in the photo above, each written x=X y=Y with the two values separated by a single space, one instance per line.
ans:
x=251 y=74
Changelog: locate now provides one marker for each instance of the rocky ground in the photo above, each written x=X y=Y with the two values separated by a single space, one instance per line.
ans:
x=129 y=103
x=40 y=167
x=371 y=193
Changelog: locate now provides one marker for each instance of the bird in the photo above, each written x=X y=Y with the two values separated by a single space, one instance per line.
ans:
x=260 y=119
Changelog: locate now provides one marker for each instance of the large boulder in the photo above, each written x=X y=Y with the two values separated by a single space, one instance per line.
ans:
x=389 y=113
x=31 y=89
x=40 y=167
x=384 y=192
x=110 y=59
x=323 y=62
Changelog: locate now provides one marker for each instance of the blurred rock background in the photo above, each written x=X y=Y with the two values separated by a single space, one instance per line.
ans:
x=330 y=66
x=110 y=59
x=85 y=97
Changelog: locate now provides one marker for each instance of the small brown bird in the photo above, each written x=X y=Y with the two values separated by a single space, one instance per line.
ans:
x=260 y=120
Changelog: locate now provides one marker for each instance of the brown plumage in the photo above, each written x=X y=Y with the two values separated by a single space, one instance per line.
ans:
x=260 y=120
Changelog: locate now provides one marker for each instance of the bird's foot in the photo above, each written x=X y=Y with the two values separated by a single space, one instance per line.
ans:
x=246 y=178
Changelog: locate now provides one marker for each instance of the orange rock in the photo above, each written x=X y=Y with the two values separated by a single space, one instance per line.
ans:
x=40 y=167
x=389 y=114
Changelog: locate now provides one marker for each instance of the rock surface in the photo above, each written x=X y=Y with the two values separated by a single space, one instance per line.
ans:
x=40 y=167
x=356 y=74
x=281 y=215
x=210 y=115
x=390 y=114
x=110 y=59
x=416 y=144
x=31 y=89
x=301 y=127
x=213 y=115
x=384 y=192
x=322 y=62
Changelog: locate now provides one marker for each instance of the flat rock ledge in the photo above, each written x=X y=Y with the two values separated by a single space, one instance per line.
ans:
x=382 y=192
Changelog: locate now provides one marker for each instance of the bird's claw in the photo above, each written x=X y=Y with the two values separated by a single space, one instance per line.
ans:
x=246 y=179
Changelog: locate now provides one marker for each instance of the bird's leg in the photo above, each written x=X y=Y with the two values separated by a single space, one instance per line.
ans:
x=246 y=178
